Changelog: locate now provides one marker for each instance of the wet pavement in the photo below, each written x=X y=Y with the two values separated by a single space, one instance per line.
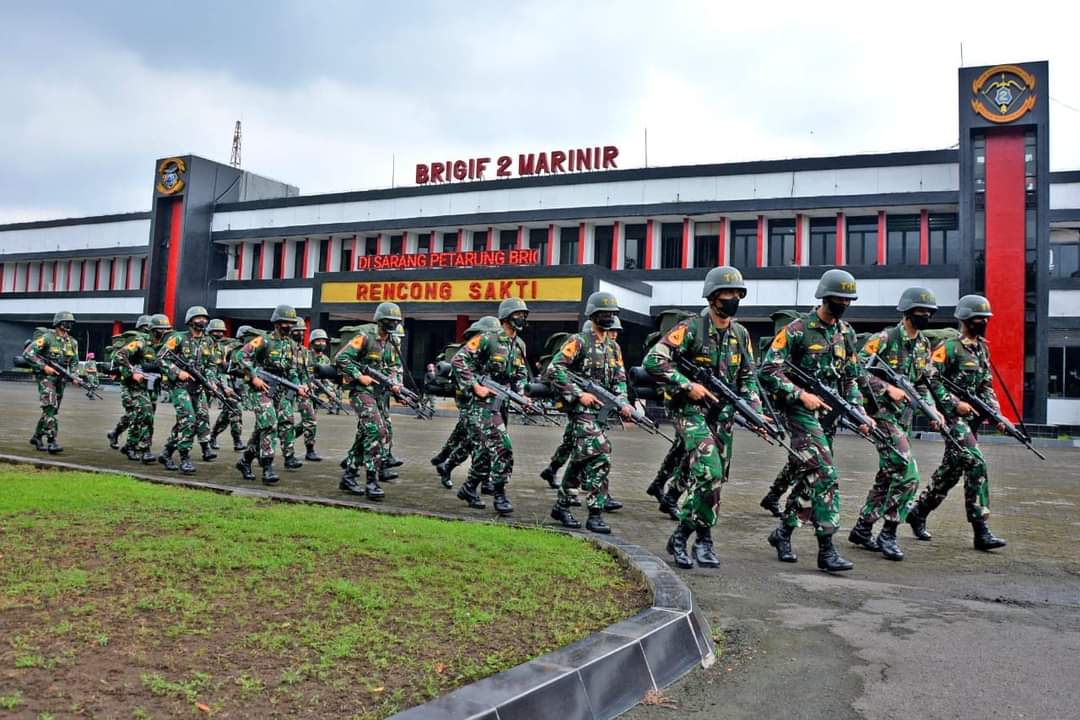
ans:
x=948 y=633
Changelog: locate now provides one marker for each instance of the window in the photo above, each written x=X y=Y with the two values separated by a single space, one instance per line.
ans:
x=1065 y=253
x=568 y=245
x=538 y=240
x=479 y=240
x=395 y=244
x=449 y=242
x=299 y=250
x=944 y=239
x=603 y=240
x=706 y=245
x=507 y=239
x=822 y=241
x=345 y=262
x=423 y=243
x=902 y=240
x=634 y=245
x=371 y=245
x=323 y=261
x=671 y=245
x=237 y=260
x=781 y=243
x=862 y=241
x=1063 y=377
x=744 y=243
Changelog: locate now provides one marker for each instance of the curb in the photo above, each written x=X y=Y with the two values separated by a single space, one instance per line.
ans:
x=596 y=678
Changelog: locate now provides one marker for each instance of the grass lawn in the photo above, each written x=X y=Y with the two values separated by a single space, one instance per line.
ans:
x=123 y=599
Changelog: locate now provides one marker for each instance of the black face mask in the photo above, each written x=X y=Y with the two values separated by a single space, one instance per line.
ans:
x=389 y=326
x=199 y=325
x=604 y=320
x=726 y=308
x=836 y=309
x=283 y=328
x=66 y=327
x=976 y=327
x=217 y=335
x=297 y=336
x=319 y=347
x=919 y=321
x=519 y=322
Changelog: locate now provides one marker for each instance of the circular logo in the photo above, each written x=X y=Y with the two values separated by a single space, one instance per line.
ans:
x=1003 y=93
x=171 y=176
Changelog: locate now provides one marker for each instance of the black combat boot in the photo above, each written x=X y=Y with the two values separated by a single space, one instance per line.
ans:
x=780 y=538
x=37 y=442
x=344 y=464
x=185 y=463
x=291 y=463
x=444 y=471
x=441 y=457
x=917 y=520
x=771 y=502
x=887 y=540
x=611 y=504
x=133 y=454
x=311 y=455
x=573 y=498
x=467 y=492
x=656 y=488
x=863 y=536
x=562 y=513
x=388 y=475
x=214 y=443
x=502 y=504
x=487 y=487
x=595 y=522
x=237 y=444
x=549 y=474
x=244 y=464
x=54 y=447
x=704 y=555
x=165 y=458
x=392 y=462
x=348 y=483
x=269 y=476
x=114 y=439
x=669 y=504
x=147 y=457
x=676 y=545
x=828 y=559
x=984 y=539
x=372 y=489
x=208 y=453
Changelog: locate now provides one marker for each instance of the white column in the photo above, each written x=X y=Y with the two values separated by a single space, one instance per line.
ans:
x=590 y=243
x=804 y=251
x=690 y=251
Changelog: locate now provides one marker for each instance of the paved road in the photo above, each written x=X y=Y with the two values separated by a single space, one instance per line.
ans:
x=948 y=633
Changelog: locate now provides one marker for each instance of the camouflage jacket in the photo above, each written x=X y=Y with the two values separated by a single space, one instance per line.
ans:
x=594 y=358
x=727 y=352
x=368 y=349
x=494 y=354
x=967 y=363
x=910 y=358
x=828 y=352
x=273 y=353
x=64 y=351
x=197 y=352
x=139 y=353
x=223 y=350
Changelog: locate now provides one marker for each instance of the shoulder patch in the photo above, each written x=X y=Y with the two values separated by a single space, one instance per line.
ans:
x=40 y=342
x=570 y=348
x=171 y=343
x=677 y=335
x=474 y=342
x=133 y=345
x=780 y=341
x=257 y=341
x=357 y=342
x=872 y=344
x=940 y=354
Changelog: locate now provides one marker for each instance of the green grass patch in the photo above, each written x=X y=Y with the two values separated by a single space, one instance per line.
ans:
x=184 y=601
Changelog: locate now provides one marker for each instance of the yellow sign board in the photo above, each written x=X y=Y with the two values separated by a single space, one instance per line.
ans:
x=562 y=289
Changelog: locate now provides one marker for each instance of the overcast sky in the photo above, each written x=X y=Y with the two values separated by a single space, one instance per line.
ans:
x=329 y=92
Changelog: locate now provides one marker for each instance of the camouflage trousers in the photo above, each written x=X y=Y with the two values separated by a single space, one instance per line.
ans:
x=492 y=451
x=273 y=411
x=458 y=447
x=708 y=456
x=815 y=497
x=93 y=382
x=234 y=421
x=140 y=415
x=383 y=401
x=192 y=417
x=590 y=460
x=308 y=423
x=50 y=393
x=566 y=447
x=125 y=417
x=371 y=434
x=968 y=464
x=897 y=477
x=674 y=467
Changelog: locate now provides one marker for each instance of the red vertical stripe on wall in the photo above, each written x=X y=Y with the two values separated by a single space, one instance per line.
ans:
x=881 y=251
x=304 y=258
x=117 y=327
x=127 y=275
x=461 y=324
x=798 y=239
x=840 y=255
x=581 y=244
x=172 y=267
x=1005 y=258
x=520 y=244
x=721 y=241
x=70 y=280
x=685 y=261
x=307 y=330
x=549 y=251
x=924 y=237
x=240 y=261
x=760 y=241
x=648 y=244
x=615 y=242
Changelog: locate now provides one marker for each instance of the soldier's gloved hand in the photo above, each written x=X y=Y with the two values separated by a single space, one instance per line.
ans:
x=588 y=400
x=964 y=408
x=481 y=391
x=698 y=391
x=626 y=411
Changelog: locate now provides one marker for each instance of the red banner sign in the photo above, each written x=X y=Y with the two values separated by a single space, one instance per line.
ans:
x=543 y=163
x=420 y=261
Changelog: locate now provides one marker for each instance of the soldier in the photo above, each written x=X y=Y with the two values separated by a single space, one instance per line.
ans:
x=275 y=353
x=703 y=422
x=193 y=349
x=56 y=345
x=90 y=376
x=390 y=462
x=142 y=327
x=132 y=362
x=375 y=349
x=593 y=355
x=823 y=345
x=306 y=365
x=907 y=351
x=965 y=361
x=566 y=445
x=227 y=417
x=501 y=356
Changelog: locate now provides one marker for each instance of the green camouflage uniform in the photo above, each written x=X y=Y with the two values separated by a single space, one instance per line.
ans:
x=64 y=351
x=828 y=352
x=598 y=359
x=89 y=375
x=707 y=435
x=502 y=358
x=119 y=341
x=274 y=353
x=368 y=349
x=306 y=362
x=188 y=399
x=458 y=447
x=223 y=362
x=137 y=354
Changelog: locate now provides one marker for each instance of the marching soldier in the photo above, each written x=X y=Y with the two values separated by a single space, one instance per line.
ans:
x=275 y=353
x=824 y=346
x=132 y=362
x=305 y=406
x=90 y=376
x=374 y=349
x=593 y=355
x=501 y=356
x=566 y=445
x=389 y=461
x=309 y=360
x=142 y=327
x=228 y=417
x=907 y=351
x=703 y=422
x=965 y=361
x=58 y=346
x=193 y=349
